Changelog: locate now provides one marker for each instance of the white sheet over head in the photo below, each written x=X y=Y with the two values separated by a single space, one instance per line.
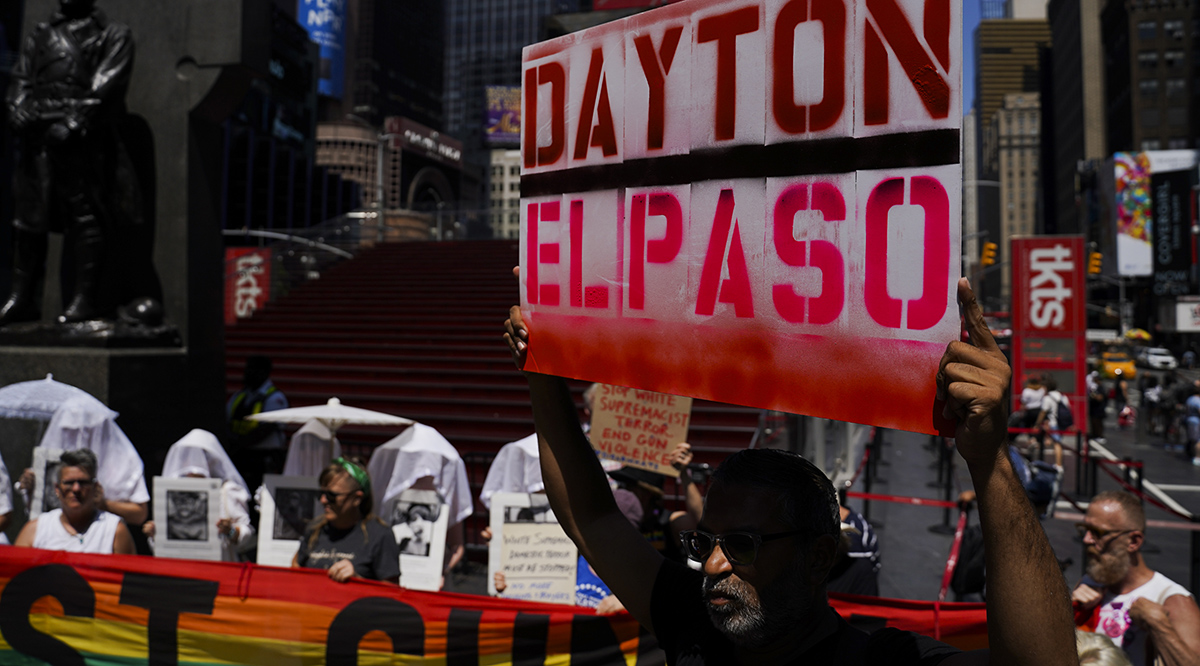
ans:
x=311 y=450
x=517 y=468
x=418 y=452
x=200 y=452
x=88 y=424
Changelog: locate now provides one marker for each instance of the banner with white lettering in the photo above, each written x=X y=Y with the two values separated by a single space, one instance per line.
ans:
x=247 y=281
x=750 y=201
x=638 y=428
x=1049 y=319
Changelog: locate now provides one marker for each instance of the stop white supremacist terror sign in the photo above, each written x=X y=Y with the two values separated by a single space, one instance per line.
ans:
x=754 y=202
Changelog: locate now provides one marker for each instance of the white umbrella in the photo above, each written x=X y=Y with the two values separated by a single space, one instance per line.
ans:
x=333 y=414
x=40 y=399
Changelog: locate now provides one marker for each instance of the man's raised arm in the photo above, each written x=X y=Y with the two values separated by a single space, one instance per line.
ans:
x=1029 y=608
x=578 y=488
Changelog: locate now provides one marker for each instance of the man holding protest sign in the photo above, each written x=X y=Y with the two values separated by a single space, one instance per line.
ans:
x=767 y=538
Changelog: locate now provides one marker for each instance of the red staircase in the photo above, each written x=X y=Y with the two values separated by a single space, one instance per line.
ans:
x=414 y=329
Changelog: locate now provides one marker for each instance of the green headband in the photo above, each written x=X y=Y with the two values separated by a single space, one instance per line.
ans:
x=356 y=472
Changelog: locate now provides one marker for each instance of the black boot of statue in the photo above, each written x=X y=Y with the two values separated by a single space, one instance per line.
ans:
x=88 y=253
x=29 y=265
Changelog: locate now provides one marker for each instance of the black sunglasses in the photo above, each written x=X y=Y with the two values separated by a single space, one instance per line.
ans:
x=83 y=484
x=1098 y=534
x=331 y=496
x=739 y=547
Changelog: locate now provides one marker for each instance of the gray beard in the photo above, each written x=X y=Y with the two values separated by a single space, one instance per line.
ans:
x=1107 y=570
x=752 y=622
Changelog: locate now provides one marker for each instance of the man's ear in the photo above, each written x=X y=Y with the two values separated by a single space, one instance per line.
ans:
x=1137 y=539
x=821 y=556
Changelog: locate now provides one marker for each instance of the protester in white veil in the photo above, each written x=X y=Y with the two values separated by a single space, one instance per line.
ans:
x=85 y=423
x=199 y=455
x=5 y=502
x=516 y=469
x=311 y=450
x=421 y=458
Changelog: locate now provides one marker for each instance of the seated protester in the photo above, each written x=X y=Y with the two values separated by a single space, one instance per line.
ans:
x=310 y=450
x=856 y=570
x=767 y=538
x=199 y=455
x=349 y=540
x=79 y=525
x=85 y=423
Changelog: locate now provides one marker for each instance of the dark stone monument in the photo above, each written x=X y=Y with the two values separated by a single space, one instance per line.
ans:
x=194 y=62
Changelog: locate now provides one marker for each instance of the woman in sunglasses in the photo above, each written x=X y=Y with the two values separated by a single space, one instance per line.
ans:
x=79 y=525
x=348 y=540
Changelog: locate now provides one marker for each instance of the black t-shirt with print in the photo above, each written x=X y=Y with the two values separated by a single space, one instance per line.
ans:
x=374 y=554
x=686 y=633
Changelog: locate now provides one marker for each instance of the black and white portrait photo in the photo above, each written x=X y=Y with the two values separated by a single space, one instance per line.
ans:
x=413 y=526
x=50 y=499
x=294 y=508
x=187 y=515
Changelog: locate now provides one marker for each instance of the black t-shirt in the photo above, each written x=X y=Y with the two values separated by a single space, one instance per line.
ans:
x=687 y=635
x=374 y=555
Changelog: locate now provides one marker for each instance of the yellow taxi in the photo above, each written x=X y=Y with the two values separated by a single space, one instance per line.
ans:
x=1116 y=360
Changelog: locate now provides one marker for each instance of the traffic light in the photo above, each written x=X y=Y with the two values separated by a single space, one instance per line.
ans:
x=1094 y=263
x=989 y=254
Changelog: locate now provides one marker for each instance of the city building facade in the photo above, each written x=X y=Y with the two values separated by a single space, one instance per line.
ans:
x=505 y=191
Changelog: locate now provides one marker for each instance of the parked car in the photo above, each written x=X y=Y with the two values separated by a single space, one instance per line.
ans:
x=1157 y=358
x=1113 y=360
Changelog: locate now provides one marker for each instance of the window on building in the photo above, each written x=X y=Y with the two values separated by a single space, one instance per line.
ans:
x=1148 y=59
x=514 y=171
x=1148 y=87
x=513 y=187
x=1177 y=117
x=1150 y=118
x=514 y=203
x=1176 y=88
x=514 y=218
x=1173 y=58
x=1147 y=29
x=1151 y=144
x=1177 y=143
x=1173 y=28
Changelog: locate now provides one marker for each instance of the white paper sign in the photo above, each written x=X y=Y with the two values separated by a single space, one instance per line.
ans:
x=288 y=504
x=45 y=473
x=419 y=519
x=529 y=546
x=185 y=516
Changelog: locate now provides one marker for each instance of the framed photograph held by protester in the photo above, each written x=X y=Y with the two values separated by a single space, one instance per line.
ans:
x=186 y=511
x=288 y=504
x=45 y=472
x=419 y=519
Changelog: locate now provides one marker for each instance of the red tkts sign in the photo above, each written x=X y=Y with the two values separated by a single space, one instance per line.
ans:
x=247 y=281
x=1049 y=296
x=749 y=201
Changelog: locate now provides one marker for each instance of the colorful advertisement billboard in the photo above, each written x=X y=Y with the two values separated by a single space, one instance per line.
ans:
x=1049 y=321
x=1153 y=216
x=325 y=21
x=502 y=124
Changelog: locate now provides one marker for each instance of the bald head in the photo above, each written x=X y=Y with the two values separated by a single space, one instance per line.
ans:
x=1123 y=507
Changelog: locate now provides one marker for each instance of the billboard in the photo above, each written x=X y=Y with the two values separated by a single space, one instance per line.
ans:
x=502 y=124
x=1049 y=321
x=325 y=21
x=247 y=281
x=1153 y=216
x=742 y=202
x=414 y=137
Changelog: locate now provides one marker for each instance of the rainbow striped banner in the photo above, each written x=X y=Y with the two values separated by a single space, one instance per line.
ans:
x=66 y=609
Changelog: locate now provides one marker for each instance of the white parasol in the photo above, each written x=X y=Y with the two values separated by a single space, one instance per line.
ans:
x=39 y=399
x=333 y=414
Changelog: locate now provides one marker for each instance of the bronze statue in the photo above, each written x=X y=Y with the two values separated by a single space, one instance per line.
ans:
x=65 y=100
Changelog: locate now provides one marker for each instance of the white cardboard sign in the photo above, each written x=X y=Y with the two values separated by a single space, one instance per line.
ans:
x=288 y=504
x=538 y=559
x=749 y=201
x=419 y=519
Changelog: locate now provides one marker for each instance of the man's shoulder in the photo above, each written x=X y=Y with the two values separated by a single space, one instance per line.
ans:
x=895 y=646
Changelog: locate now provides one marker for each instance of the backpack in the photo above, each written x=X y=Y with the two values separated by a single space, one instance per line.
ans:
x=1063 y=415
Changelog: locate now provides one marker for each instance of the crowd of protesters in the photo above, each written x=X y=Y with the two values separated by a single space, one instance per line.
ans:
x=739 y=575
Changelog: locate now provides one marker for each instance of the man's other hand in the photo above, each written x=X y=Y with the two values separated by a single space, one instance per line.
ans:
x=974 y=379
x=1085 y=597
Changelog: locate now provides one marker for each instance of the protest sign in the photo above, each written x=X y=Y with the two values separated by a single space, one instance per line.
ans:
x=186 y=511
x=45 y=480
x=288 y=504
x=61 y=608
x=787 y=236
x=531 y=549
x=419 y=519
x=639 y=428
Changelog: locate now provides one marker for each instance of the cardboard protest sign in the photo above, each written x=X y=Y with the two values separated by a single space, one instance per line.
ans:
x=419 y=519
x=749 y=201
x=288 y=504
x=528 y=545
x=186 y=511
x=45 y=480
x=639 y=428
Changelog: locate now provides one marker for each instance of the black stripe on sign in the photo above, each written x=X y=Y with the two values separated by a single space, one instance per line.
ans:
x=798 y=158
